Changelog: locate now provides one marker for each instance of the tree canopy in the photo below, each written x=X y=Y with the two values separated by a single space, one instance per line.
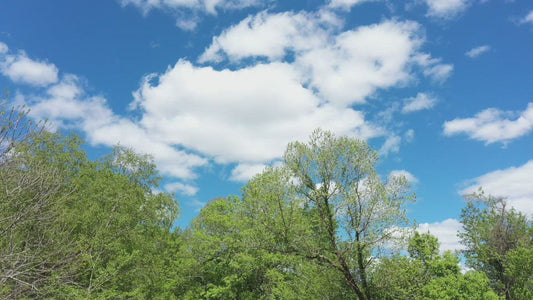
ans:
x=323 y=224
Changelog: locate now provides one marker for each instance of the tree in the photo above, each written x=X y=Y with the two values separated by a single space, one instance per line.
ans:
x=231 y=258
x=33 y=247
x=495 y=239
x=328 y=204
x=72 y=228
x=426 y=274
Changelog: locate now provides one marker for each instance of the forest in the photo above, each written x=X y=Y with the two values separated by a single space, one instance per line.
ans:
x=321 y=225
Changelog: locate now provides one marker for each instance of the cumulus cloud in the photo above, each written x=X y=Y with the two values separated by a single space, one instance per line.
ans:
x=493 y=125
x=181 y=188
x=246 y=115
x=358 y=62
x=420 y=102
x=65 y=105
x=446 y=232
x=514 y=184
x=282 y=32
x=22 y=69
x=344 y=67
x=245 y=172
x=477 y=51
x=309 y=73
x=410 y=177
x=446 y=8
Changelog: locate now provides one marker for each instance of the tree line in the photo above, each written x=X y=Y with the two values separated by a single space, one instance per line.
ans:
x=322 y=225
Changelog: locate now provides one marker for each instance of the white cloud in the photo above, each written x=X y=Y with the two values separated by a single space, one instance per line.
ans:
x=420 y=102
x=514 y=184
x=409 y=135
x=178 y=187
x=65 y=105
x=477 y=51
x=392 y=144
x=310 y=76
x=433 y=68
x=410 y=177
x=528 y=18
x=3 y=48
x=446 y=232
x=245 y=172
x=343 y=67
x=279 y=33
x=22 y=69
x=346 y=4
x=187 y=11
x=446 y=8
x=170 y=160
x=247 y=115
x=439 y=72
x=493 y=125
x=208 y=6
x=358 y=62
x=189 y=24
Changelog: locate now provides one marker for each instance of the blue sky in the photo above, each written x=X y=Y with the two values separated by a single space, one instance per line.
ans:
x=215 y=89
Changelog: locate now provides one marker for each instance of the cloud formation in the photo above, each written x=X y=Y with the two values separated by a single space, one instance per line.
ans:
x=513 y=183
x=420 y=102
x=446 y=232
x=247 y=115
x=65 y=105
x=493 y=125
x=477 y=51
x=306 y=72
x=446 y=9
x=22 y=69
x=528 y=19
x=346 y=4
x=345 y=67
x=181 y=188
x=187 y=11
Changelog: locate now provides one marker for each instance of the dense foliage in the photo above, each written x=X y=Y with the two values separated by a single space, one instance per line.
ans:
x=322 y=225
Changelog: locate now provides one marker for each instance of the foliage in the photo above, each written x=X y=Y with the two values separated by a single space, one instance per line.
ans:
x=323 y=225
x=426 y=274
x=75 y=228
x=495 y=238
x=328 y=204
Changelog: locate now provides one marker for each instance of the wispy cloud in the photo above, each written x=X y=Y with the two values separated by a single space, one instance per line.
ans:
x=188 y=12
x=528 y=19
x=420 y=102
x=477 y=51
x=181 y=188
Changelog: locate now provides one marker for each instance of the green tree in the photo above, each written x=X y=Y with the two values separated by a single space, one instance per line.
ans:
x=34 y=248
x=426 y=274
x=328 y=204
x=72 y=228
x=491 y=234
